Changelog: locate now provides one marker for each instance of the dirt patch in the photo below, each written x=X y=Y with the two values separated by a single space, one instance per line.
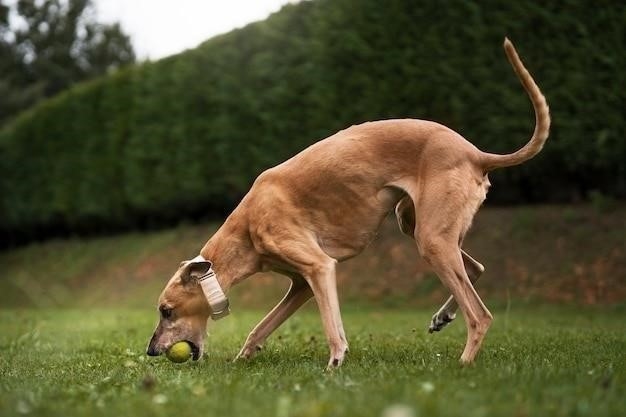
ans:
x=562 y=254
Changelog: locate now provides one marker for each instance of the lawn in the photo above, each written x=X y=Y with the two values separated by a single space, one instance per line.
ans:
x=545 y=361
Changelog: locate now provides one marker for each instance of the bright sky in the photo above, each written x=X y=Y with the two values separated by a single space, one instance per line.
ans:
x=159 y=28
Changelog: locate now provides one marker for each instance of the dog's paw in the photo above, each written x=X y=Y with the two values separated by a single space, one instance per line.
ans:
x=337 y=357
x=248 y=352
x=334 y=363
x=440 y=320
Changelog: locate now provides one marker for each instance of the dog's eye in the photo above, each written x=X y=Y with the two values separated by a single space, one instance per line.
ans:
x=166 y=312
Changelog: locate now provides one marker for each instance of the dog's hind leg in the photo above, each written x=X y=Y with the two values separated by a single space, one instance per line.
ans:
x=405 y=213
x=299 y=293
x=447 y=312
x=440 y=223
x=445 y=258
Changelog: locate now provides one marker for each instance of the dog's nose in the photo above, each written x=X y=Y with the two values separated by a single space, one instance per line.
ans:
x=152 y=351
x=151 y=347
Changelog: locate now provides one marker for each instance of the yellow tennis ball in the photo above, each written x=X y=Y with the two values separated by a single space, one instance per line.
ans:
x=179 y=352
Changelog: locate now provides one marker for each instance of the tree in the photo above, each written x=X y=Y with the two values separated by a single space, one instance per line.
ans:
x=48 y=45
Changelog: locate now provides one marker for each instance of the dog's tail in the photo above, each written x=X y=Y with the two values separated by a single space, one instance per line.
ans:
x=542 y=118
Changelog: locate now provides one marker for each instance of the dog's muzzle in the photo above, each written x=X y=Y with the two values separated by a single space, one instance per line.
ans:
x=195 y=350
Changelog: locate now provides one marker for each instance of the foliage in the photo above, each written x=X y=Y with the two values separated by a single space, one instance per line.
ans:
x=187 y=135
x=92 y=363
x=50 y=45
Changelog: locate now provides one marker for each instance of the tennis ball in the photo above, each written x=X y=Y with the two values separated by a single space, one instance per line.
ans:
x=179 y=352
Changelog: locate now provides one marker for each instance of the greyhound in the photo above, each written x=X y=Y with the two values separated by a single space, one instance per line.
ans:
x=325 y=204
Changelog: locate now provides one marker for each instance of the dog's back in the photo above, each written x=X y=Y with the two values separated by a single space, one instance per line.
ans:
x=341 y=188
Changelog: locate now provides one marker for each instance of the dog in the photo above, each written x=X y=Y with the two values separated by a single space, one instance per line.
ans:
x=325 y=204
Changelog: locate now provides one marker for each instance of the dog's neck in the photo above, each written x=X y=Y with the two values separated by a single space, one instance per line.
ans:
x=232 y=255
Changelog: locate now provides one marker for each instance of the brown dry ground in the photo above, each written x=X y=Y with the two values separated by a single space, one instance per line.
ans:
x=548 y=254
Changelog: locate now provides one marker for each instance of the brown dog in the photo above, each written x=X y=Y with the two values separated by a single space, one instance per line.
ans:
x=325 y=205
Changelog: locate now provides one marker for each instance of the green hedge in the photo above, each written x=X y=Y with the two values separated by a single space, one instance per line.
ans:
x=185 y=136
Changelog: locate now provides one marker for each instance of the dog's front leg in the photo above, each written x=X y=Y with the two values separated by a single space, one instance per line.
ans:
x=447 y=312
x=299 y=293
x=322 y=279
x=304 y=256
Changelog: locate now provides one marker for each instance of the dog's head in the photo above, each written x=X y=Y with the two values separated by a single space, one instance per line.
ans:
x=183 y=310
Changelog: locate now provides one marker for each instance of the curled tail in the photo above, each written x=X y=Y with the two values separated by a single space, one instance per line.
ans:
x=542 y=118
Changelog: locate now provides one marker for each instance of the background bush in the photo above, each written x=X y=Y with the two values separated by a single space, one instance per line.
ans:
x=185 y=136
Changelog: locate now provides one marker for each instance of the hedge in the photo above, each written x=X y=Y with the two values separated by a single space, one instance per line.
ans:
x=185 y=136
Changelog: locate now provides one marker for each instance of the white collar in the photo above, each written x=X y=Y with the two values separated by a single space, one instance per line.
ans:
x=213 y=291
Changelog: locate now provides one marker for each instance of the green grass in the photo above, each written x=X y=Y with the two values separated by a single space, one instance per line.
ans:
x=535 y=362
x=76 y=315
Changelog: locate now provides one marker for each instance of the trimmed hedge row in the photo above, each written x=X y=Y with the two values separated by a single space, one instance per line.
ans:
x=185 y=136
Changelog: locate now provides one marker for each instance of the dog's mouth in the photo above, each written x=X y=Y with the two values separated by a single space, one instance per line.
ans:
x=195 y=350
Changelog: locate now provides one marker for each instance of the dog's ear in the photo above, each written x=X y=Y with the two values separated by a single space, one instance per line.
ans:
x=193 y=270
